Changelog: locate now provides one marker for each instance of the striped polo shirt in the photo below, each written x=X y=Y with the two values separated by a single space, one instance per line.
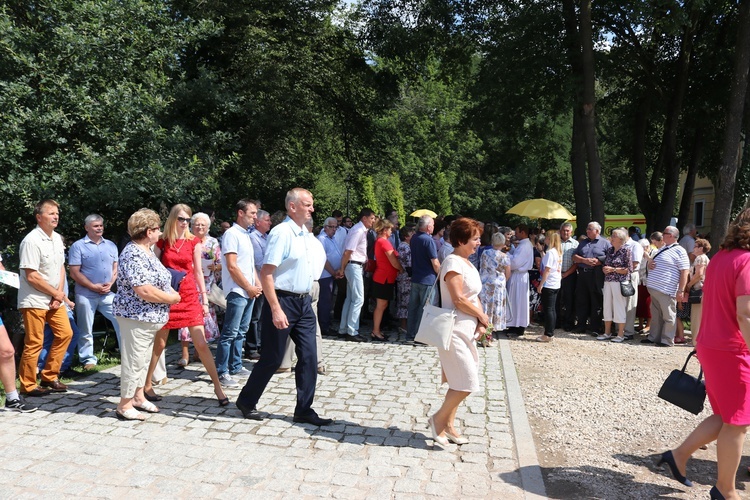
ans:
x=665 y=277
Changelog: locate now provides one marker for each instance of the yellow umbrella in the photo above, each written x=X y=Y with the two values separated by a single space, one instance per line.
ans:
x=540 y=208
x=423 y=211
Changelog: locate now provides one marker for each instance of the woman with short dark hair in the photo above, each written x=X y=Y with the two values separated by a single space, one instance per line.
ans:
x=459 y=288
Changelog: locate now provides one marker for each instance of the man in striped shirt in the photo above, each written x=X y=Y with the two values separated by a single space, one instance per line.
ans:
x=667 y=278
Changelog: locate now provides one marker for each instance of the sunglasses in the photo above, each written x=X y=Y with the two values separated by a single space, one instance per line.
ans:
x=183 y=219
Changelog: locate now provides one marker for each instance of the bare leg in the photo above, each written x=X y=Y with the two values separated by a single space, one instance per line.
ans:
x=620 y=329
x=160 y=342
x=186 y=350
x=7 y=362
x=706 y=432
x=127 y=403
x=377 y=316
x=680 y=330
x=607 y=328
x=444 y=417
x=201 y=347
x=728 y=454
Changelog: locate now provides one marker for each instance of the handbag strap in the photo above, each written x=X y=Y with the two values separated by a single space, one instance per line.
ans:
x=684 y=367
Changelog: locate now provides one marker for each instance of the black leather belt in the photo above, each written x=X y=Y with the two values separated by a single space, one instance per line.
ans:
x=284 y=293
x=357 y=263
x=586 y=269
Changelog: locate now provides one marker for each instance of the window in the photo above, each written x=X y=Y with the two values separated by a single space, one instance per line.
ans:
x=698 y=212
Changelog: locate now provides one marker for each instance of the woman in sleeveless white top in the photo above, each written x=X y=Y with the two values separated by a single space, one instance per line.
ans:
x=460 y=285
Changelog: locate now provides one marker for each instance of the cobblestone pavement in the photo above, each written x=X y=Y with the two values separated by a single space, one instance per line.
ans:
x=379 y=447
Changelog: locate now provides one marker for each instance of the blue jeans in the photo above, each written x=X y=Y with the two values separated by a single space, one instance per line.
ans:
x=69 y=354
x=355 y=299
x=236 y=323
x=416 y=305
x=86 y=308
x=252 y=339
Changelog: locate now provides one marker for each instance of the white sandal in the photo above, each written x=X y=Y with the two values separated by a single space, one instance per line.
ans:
x=183 y=362
x=130 y=414
x=147 y=406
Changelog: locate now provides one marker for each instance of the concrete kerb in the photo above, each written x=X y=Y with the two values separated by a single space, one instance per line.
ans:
x=528 y=462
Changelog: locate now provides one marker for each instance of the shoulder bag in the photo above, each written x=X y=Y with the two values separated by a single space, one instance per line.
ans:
x=436 y=326
x=216 y=296
x=695 y=296
x=626 y=288
x=684 y=390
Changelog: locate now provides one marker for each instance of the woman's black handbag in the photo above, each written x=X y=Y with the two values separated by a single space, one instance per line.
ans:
x=695 y=296
x=626 y=288
x=684 y=390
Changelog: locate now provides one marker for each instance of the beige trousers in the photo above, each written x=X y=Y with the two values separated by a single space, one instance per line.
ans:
x=135 y=353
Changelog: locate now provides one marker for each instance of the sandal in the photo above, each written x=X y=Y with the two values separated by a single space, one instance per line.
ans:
x=183 y=362
x=224 y=402
x=151 y=398
x=130 y=414
x=147 y=406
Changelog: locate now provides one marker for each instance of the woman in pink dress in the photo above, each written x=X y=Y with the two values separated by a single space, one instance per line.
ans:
x=723 y=352
x=459 y=289
x=180 y=250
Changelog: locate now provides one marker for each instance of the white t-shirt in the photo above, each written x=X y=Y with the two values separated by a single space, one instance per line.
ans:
x=552 y=261
x=236 y=240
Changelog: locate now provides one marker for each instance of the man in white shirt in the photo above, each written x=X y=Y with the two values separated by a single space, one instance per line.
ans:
x=352 y=262
x=688 y=240
x=40 y=299
x=239 y=280
x=521 y=261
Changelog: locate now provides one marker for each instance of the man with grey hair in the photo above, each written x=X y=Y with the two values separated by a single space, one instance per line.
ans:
x=590 y=281
x=93 y=266
x=424 y=269
x=566 y=298
x=668 y=273
x=688 y=240
x=353 y=260
x=636 y=256
x=331 y=271
x=258 y=238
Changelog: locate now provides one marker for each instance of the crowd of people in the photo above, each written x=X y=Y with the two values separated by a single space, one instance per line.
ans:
x=271 y=286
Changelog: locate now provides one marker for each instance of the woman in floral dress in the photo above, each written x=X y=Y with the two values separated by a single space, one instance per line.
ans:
x=211 y=265
x=494 y=271
x=403 y=280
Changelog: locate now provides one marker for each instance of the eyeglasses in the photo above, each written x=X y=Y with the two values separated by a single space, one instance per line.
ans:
x=157 y=228
x=183 y=219
x=331 y=227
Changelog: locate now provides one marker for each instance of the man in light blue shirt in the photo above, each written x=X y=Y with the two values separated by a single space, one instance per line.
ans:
x=93 y=266
x=331 y=272
x=287 y=277
x=259 y=239
x=239 y=281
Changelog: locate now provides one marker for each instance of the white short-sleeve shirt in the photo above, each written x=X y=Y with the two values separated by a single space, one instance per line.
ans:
x=43 y=254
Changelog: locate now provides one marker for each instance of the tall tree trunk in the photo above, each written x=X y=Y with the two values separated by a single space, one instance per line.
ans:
x=578 y=144
x=692 y=172
x=640 y=129
x=731 y=149
x=589 y=114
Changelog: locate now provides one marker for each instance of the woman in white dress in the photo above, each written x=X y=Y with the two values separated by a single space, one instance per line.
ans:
x=459 y=288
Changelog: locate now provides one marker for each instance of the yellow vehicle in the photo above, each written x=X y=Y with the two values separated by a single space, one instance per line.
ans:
x=614 y=221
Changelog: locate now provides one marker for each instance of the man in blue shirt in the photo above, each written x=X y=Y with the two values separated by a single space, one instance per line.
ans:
x=287 y=279
x=424 y=269
x=93 y=266
x=589 y=296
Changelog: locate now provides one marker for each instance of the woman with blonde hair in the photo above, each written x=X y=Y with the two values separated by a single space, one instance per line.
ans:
x=181 y=251
x=494 y=271
x=697 y=276
x=387 y=267
x=210 y=266
x=549 y=284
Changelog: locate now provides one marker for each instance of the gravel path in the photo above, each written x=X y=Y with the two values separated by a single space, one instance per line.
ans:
x=597 y=421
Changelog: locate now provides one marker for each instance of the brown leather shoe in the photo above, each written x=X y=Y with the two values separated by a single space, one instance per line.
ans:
x=283 y=370
x=37 y=391
x=89 y=366
x=55 y=386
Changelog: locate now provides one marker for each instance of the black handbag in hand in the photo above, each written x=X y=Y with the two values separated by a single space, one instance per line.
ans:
x=626 y=288
x=684 y=390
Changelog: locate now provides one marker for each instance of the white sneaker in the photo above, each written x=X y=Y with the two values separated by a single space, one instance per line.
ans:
x=604 y=337
x=226 y=381
x=618 y=340
x=243 y=373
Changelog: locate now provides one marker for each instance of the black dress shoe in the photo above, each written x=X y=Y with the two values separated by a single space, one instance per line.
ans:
x=37 y=391
x=646 y=341
x=312 y=419
x=628 y=337
x=249 y=413
x=356 y=338
x=55 y=386
x=579 y=330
